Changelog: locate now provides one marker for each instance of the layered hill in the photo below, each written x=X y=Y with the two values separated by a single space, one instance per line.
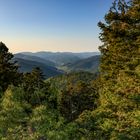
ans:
x=61 y=58
x=90 y=64
x=34 y=58
x=53 y=64
x=27 y=66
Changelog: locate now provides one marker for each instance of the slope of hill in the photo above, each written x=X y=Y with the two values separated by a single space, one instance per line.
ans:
x=84 y=55
x=27 y=66
x=62 y=81
x=57 y=58
x=74 y=77
x=34 y=58
x=90 y=64
x=61 y=58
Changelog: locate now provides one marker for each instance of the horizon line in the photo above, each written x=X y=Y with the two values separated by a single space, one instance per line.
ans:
x=58 y=52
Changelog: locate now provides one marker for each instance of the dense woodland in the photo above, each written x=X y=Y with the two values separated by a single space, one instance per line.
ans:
x=79 y=106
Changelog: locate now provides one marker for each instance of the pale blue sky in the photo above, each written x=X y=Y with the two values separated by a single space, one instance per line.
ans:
x=51 y=25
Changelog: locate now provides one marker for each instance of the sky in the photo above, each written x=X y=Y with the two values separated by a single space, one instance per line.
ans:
x=52 y=25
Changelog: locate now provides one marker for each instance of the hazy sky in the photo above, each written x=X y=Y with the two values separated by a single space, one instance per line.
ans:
x=51 y=25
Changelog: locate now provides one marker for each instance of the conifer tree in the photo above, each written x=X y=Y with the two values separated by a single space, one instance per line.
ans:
x=8 y=69
x=120 y=36
x=34 y=87
x=117 y=116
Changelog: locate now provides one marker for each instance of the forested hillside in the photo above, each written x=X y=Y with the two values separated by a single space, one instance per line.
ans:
x=33 y=58
x=26 y=65
x=90 y=64
x=80 y=105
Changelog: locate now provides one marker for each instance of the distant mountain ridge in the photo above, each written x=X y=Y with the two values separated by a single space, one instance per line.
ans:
x=57 y=63
x=61 y=58
x=80 y=54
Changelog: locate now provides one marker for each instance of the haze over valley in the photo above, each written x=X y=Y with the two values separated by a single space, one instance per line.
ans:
x=58 y=63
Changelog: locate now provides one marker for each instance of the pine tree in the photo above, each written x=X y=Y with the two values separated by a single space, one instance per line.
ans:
x=8 y=69
x=34 y=86
x=117 y=118
x=120 y=35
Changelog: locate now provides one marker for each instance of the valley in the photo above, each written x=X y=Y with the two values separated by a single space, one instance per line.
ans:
x=53 y=64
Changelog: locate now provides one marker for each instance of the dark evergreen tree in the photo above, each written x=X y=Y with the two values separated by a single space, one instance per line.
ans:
x=34 y=86
x=76 y=98
x=8 y=69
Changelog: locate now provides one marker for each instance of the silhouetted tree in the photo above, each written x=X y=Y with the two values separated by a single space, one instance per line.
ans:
x=8 y=69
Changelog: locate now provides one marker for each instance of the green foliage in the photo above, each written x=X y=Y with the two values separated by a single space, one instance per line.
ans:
x=117 y=116
x=73 y=93
x=34 y=87
x=13 y=115
x=77 y=98
x=119 y=35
